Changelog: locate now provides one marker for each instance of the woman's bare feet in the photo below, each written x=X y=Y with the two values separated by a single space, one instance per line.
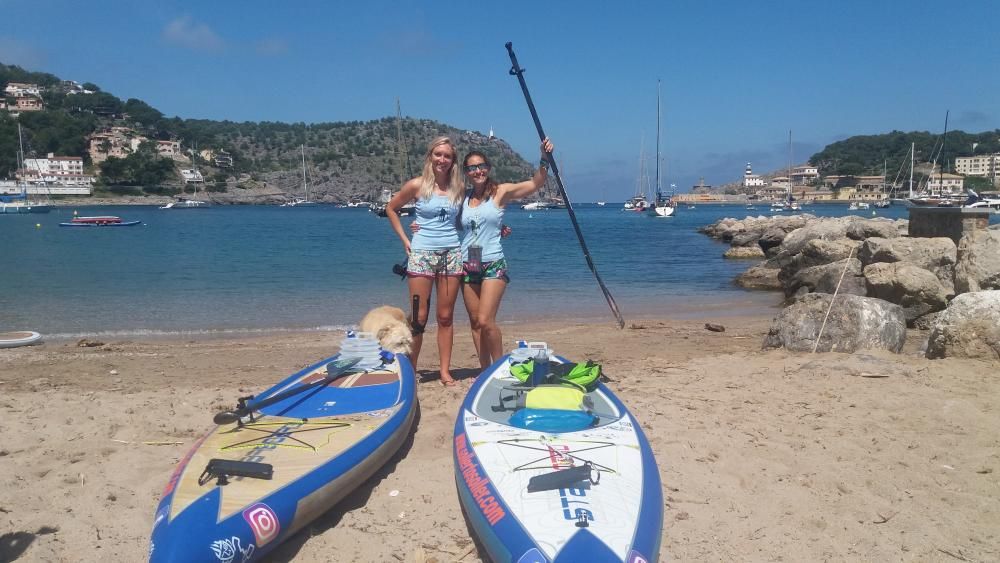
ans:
x=447 y=380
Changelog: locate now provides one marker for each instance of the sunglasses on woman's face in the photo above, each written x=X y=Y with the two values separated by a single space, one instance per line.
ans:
x=470 y=168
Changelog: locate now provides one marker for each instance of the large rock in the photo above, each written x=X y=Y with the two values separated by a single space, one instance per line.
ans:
x=744 y=252
x=745 y=239
x=854 y=323
x=861 y=229
x=828 y=229
x=916 y=290
x=826 y=278
x=771 y=238
x=977 y=266
x=815 y=252
x=761 y=276
x=968 y=328
x=936 y=255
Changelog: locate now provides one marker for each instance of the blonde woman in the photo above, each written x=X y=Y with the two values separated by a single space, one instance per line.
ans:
x=434 y=255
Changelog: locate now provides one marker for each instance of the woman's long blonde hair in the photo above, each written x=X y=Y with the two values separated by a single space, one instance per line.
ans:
x=456 y=185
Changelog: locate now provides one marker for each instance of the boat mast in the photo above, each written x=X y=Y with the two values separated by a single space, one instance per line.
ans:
x=789 y=166
x=657 y=200
x=912 y=149
x=400 y=148
x=944 y=138
x=305 y=186
x=639 y=190
x=20 y=162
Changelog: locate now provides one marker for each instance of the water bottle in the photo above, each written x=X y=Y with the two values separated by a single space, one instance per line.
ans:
x=541 y=368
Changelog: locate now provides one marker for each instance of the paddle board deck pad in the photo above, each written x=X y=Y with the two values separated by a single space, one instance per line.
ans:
x=19 y=338
x=245 y=487
x=591 y=494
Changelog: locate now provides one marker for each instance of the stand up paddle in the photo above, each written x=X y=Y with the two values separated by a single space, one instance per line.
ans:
x=517 y=71
x=334 y=370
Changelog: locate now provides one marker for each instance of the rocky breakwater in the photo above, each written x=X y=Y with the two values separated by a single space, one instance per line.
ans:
x=855 y=283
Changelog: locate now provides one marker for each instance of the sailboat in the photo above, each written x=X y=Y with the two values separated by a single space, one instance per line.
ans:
x=905 y=201
x=17 y=204
x=379 y=206
x=298 y=201
x=638 y=201
x=663 y=205
x=792 y=204
x=938 y=196
x=789 y=203
x=183 y=202
x=885 y=201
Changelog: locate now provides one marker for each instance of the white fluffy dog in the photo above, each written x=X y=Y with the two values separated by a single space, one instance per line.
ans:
x=390 y=326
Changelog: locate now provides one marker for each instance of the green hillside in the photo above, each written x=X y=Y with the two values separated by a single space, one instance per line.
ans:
x=345 y=160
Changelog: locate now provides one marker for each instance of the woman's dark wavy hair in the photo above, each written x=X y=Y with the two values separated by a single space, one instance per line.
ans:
x=491 y=185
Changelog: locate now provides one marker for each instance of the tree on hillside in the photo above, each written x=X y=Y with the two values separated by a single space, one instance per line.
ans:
x=144 y=167
x=56 y=132
x=142 y=113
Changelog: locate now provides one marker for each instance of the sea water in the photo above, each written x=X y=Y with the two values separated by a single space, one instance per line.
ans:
x=266 y=268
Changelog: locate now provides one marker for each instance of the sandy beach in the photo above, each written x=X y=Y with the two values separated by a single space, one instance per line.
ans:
x=763 y=455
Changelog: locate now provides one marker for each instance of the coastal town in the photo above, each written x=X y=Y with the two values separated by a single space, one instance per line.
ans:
x=80 y=174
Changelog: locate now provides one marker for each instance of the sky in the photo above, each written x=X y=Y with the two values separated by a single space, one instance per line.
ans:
x=735 y=76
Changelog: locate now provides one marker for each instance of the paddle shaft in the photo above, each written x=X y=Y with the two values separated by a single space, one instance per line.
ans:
x=229 y=417
x=517 y=71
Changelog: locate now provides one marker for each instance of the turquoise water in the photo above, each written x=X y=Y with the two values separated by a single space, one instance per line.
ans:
x=255 y=268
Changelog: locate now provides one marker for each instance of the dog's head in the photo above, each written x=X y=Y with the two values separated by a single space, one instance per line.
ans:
x=395 y=338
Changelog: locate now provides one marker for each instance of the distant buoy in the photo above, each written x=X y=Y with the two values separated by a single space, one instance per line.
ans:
x=38 y=225
x=873 y=212
x=75 y=212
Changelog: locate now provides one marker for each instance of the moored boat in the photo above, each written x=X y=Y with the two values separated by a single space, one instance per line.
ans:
x=99 y=221
x=183 y=203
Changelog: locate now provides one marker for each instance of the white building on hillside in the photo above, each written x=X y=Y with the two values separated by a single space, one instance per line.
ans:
x=804 y=175
x=984 y=166
x=55 y=171
x=192 y=176
x=751 y=180
x=19 y=89
x=945 y=184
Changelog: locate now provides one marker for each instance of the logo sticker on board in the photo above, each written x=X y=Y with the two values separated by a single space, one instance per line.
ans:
x=636 y=557
x=263 y=521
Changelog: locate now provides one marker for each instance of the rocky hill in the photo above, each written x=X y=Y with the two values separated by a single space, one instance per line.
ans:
x=344 y=161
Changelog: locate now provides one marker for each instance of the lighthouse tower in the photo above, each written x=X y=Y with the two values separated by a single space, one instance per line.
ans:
x=751 y=180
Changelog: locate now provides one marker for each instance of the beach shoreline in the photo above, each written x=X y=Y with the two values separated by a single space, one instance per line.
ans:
x=762 y=455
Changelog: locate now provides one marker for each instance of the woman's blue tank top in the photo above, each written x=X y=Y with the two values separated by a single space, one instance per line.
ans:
x=481 y=225
x=436 y=218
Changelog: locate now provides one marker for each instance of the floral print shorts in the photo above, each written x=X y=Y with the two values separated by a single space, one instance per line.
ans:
x=432 y=263
x=495 y=270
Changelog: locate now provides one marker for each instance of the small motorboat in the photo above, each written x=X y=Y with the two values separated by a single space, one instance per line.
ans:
x=99 y=221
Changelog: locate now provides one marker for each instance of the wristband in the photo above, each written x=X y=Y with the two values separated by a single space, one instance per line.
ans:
x=543 y=164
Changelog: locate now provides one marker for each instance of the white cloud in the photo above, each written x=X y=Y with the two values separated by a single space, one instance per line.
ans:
x=190 y=34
